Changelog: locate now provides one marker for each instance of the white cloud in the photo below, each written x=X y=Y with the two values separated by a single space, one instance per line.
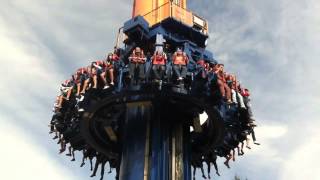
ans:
x=304 y=162
x=271 y=132
x=27 y=78
x=273 y=48
x=22 y=159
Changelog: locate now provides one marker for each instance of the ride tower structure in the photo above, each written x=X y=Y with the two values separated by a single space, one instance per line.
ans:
x=165 y=149
x=149 y=131
x=168 y=24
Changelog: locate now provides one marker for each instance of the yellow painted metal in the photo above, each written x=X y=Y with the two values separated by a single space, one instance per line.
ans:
x=197 y=125
x=142 y=103
x=181 y=3
x=142 y=7
x=155 y=11
x=112 y=135
x=182 y=15
x=184 y=4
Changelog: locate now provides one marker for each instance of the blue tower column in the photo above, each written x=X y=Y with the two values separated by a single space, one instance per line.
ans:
x=160 y=157
x=156 y=144
x=134 y=159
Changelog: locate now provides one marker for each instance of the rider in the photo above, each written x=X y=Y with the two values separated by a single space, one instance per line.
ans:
x=159 y=60
x=197 y=162
x=202 y=68
x=222 y=83
x=115 y=58
x=65 y=90
x=180 y=61
x=86 y=76
x=246 y=98
x=81 y=76
x=110 y=63
x=211 y=157
x=137 y=61
x=234 y=84
x=245 y=93
x=98 y=70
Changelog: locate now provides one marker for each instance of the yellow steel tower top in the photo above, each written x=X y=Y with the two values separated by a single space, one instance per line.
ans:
x=142 y=7
x=155 y=11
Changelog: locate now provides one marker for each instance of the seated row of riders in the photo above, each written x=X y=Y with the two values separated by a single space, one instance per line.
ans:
x=106 y=71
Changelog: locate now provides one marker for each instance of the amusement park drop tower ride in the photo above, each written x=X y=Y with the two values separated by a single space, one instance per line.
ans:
x=142 y=126
x=156 y=139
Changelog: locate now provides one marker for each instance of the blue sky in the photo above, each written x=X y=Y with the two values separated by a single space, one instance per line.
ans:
x=272 y=45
